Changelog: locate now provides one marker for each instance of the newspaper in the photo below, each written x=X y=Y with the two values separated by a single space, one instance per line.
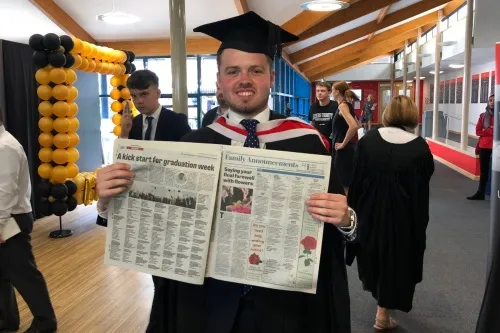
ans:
x=262 y=233
x=161 y=225
x=230 y=213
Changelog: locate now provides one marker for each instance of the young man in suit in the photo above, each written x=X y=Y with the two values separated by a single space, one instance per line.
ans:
x=17 y=263
x=249 y=44
x=217 y=111
x=155 y=123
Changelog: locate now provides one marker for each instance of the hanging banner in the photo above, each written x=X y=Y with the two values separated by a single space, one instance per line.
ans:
x=460 y=89
x=474 y=96
x=447 y=92
x=452 y=91
x=492 y=88
x=485 y=85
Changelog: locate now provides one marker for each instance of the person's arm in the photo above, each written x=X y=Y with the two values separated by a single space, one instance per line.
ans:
x=9 y=176
x=353 y=126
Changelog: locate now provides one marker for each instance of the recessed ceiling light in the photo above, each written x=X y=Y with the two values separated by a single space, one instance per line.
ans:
x=448 y=43
x=433 y=72
x=409 y=81
x=456 y=66
x=324 y=5
x=421 y=78
x=118 y=18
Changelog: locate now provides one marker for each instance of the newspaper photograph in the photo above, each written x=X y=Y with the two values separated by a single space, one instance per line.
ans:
x=161 y=225
x=262 y=233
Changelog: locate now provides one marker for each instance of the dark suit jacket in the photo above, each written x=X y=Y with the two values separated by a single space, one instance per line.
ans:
x=210 y=116
x=215 y=304
x=171 y=126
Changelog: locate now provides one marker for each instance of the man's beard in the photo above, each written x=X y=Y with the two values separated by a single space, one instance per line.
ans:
x=247 y=109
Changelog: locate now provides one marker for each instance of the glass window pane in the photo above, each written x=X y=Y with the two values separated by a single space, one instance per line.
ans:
x=207 y=103
x=193 y=117
x=452 y=19
x=208 y=75
x=192 y=75
x=166 y=102
x=162 y=68
x=139 y=63
x=462 y=12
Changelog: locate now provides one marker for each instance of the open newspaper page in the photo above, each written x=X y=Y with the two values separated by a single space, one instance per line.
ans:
x=162 y=224
x=262 y=233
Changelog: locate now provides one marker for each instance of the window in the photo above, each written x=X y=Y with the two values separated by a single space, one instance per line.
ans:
x=452 y=19
x=161 y=66
x=208 y=74
x=462 y=12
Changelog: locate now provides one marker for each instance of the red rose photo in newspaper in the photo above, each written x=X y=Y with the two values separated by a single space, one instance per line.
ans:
x=309 y=243
x=254 y=259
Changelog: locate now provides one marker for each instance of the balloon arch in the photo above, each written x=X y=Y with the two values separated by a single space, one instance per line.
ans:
x=58 y=58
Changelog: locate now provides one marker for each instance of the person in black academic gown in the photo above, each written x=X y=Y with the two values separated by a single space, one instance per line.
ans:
x=390 y=193
x=155 y=123
x=245 y=58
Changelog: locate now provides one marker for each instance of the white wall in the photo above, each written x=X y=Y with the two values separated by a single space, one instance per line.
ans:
x=370 y=72
x=455 y=110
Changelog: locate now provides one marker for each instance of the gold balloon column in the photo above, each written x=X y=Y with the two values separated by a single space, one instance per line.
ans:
x=120 y=96
x=62 y=187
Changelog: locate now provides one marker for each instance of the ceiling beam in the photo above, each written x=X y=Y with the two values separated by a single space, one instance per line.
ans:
x=391 y=33
x=452 y=6
x=241 y=6
x=194 y=46
x=367 y=57
x=366 y=29
x=306 y=19
x=374 y=47
x=355 y=64
x=381 y=15
x=62 y=19
x=355 y=11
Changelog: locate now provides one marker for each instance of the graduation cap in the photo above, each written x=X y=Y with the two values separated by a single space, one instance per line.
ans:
x=249 y=33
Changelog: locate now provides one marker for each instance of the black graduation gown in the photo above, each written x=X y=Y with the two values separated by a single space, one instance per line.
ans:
x=390 y=194
x=210 y=116
x=212 y=307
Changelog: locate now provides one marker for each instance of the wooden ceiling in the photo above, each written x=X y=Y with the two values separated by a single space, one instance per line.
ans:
x=331 y=55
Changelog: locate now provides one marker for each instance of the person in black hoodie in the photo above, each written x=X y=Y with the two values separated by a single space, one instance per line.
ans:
x=322 y=112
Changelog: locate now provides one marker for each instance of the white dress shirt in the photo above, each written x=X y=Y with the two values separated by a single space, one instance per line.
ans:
x=15 y=186
x=154 y=123
x=262 y=117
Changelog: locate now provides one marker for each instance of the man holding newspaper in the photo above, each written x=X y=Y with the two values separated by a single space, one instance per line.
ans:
x=249 y=44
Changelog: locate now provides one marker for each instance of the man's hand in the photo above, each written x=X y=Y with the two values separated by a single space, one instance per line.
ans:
x=113 y=180
x=126 y=122
x=339 y=146
x=329 y=208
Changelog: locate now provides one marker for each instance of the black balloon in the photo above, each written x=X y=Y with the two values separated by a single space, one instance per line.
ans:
x=59 y=208
x=57 y=59
x=70 y=60
x=71 y=203
x=51 y=41
x=44 y=188
x=128 y=67
x=59 y=191
x=71 y=187
x=41 y=58
x=132 y=69
x=67 y=43
x=45 y=207
x=36 y=42
x=131 y=56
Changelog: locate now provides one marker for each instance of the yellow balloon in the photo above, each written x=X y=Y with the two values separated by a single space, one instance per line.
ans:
x=74 y=124
x=44 y=92
x=111 y=68
x=98 y=66
x=87 y=49
x=73 y=155
x=59 y=174
x=60 y=109
x=125 y=93
x=72 y=94
x=45 y=170
x=78 y=61
x=45 y=108
x=73 y=109
x=84 y=65
x=124 y=78
x=92 y=65
x=45 y=155
x=116 y=106
x=80 y=182
x=71 y=76
x=42 y=76
x=74 y=139
x=60 y=156
x=61 y=125
x=60 y=92
x=115 y=81
x=45 y=139
x=117 y=130
x=78 y=46
x=46 y=124
x=123 y=69
x=115 y=94
x=57 y=75
x=72 y=169
x=61 y=140
x=116 y=119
